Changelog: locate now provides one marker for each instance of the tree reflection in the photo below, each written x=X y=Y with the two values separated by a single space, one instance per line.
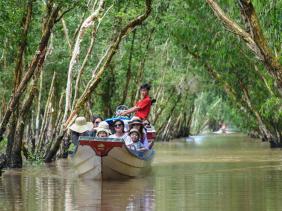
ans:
x=56 y=188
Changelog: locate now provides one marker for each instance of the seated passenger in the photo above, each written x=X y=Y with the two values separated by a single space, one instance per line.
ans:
x=103 y=130
x=147 y=126
x=135 y=137
x=79 y=128
x=119 y=132
x=96 y=121
x=136 y=123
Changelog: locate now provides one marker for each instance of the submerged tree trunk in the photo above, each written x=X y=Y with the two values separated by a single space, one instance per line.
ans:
x=11 y=137
x=16 y=157
x=17 y=80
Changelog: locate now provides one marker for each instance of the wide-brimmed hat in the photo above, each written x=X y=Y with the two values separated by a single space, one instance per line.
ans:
x=135 y=120
x=134 y=130
x=103 y=127
x=80 y=125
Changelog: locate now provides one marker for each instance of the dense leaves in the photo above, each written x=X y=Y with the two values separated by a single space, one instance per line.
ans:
x=201 y=73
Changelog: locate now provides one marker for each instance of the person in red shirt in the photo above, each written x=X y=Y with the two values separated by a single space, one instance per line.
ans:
x=142 y=107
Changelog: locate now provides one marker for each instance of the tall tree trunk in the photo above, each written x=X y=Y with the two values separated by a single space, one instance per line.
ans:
x=18 y=74
x=86 y=58
x=16 y=157
x=23 y=43
x=164 y=126
x=82 y=68
x=262 y=126
x=128 y=73
x=11 y=137
x=161 y=109
x=44 y=124
x=66 y=32
x=37 y=120
x=38 y=57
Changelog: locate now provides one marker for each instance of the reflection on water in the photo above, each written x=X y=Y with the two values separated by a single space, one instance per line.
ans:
x=226 y=172
x=56 y=188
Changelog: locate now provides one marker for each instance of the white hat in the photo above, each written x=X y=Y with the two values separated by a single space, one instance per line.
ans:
x=133 y=130
x=103 y=126
x=80 y=125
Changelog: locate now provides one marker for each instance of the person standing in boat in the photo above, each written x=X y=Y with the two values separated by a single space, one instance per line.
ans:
x=143 y=106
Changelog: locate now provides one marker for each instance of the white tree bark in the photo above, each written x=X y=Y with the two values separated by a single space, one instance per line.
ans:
x=66 y=32
x=37 y=121
x=89 y=51
x=89 y=21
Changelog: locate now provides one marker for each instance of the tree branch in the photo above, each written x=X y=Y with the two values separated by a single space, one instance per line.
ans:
x=255 y=40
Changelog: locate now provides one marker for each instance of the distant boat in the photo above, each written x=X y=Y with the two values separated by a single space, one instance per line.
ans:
x=109 y=158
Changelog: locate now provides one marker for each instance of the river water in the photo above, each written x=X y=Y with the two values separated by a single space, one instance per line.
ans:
x=215 y=172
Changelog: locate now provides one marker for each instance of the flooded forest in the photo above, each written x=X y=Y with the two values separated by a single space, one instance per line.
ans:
x=208 y=63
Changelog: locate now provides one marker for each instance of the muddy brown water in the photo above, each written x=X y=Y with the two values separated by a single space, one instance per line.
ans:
x=213 y=172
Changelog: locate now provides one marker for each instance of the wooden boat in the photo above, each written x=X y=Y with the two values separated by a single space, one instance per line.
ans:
x=109 y=158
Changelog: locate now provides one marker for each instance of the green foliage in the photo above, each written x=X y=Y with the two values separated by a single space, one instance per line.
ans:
x=272 y=109
x=171 y=50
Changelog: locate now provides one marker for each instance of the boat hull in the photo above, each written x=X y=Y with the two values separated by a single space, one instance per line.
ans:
x=114 y=161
